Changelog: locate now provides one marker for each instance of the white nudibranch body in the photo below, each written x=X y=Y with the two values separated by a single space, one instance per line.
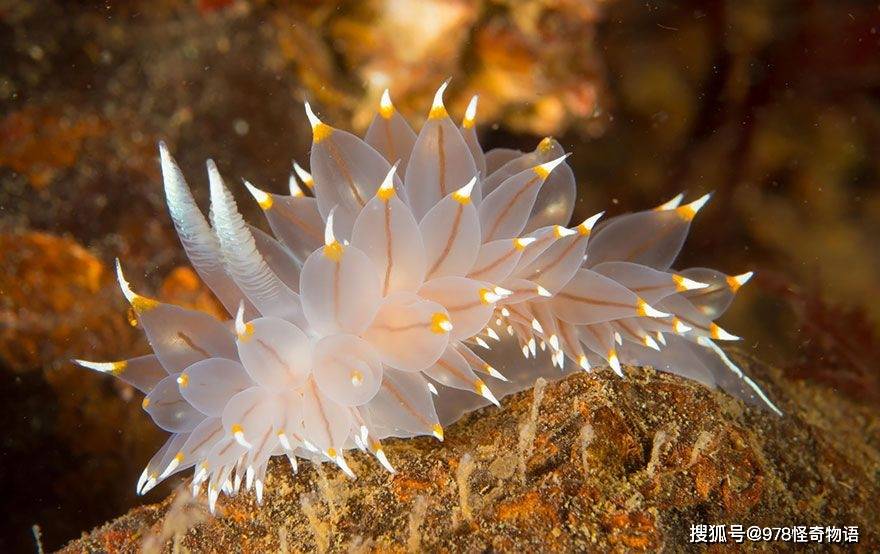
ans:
x=394 y=298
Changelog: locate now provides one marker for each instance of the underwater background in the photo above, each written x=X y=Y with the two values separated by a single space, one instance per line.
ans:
x=772 y=104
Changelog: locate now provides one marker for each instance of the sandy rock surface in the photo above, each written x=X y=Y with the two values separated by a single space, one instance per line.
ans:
x=589 y=462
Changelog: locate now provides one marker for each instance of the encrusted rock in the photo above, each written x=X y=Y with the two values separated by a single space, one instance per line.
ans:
x=614 y=464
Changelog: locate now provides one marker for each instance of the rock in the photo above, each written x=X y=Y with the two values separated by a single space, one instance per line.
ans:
x=46 y=321
x=63 y=443
x=624 y=464
x=76 y=439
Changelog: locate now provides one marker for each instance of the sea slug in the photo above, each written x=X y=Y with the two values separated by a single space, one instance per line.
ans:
x=401 y=292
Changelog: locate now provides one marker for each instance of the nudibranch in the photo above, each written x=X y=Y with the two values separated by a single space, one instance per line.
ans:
x=404 y=283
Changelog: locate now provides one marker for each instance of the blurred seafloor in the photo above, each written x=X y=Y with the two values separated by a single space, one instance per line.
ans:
x=773 y=104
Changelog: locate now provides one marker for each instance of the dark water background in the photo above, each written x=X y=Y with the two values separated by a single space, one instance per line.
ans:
x=774 y=105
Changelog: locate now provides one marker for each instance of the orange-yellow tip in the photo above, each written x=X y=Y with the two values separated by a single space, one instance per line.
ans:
x=242 y=329
x=736 y=281
x=283 y=440
x=238 y=434
x=720 y=334
x=386 y=189
x=645 y=310
x=263 y=198
x=310 y=114
x=138 y=302
x=303 y=175
x=481 y=389
x=650 y=342
x=320 y=130
x=543 y=170
x=614 y=362
x=356 y=377
x=438 y=110
x=583 y=362
x=333 y=249
x=522 y=242
x=689 y=211
x=386 y=108
x=201 y=474
x=294 y=187
x=559 y=231
x=172 y=466
x=586 y=227
x=679 y=327
x=339 y=459
x=470 y=114
x=682 y=283
x=489 y=296
x=151 y=482
x=440 y=323
x=670 y=204
x=463 y=195
x=114 y=368
x=383 y=459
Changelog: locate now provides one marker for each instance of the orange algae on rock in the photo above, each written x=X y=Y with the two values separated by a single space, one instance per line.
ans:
x=55 y=300
x=45 y=280
x=183 y=288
